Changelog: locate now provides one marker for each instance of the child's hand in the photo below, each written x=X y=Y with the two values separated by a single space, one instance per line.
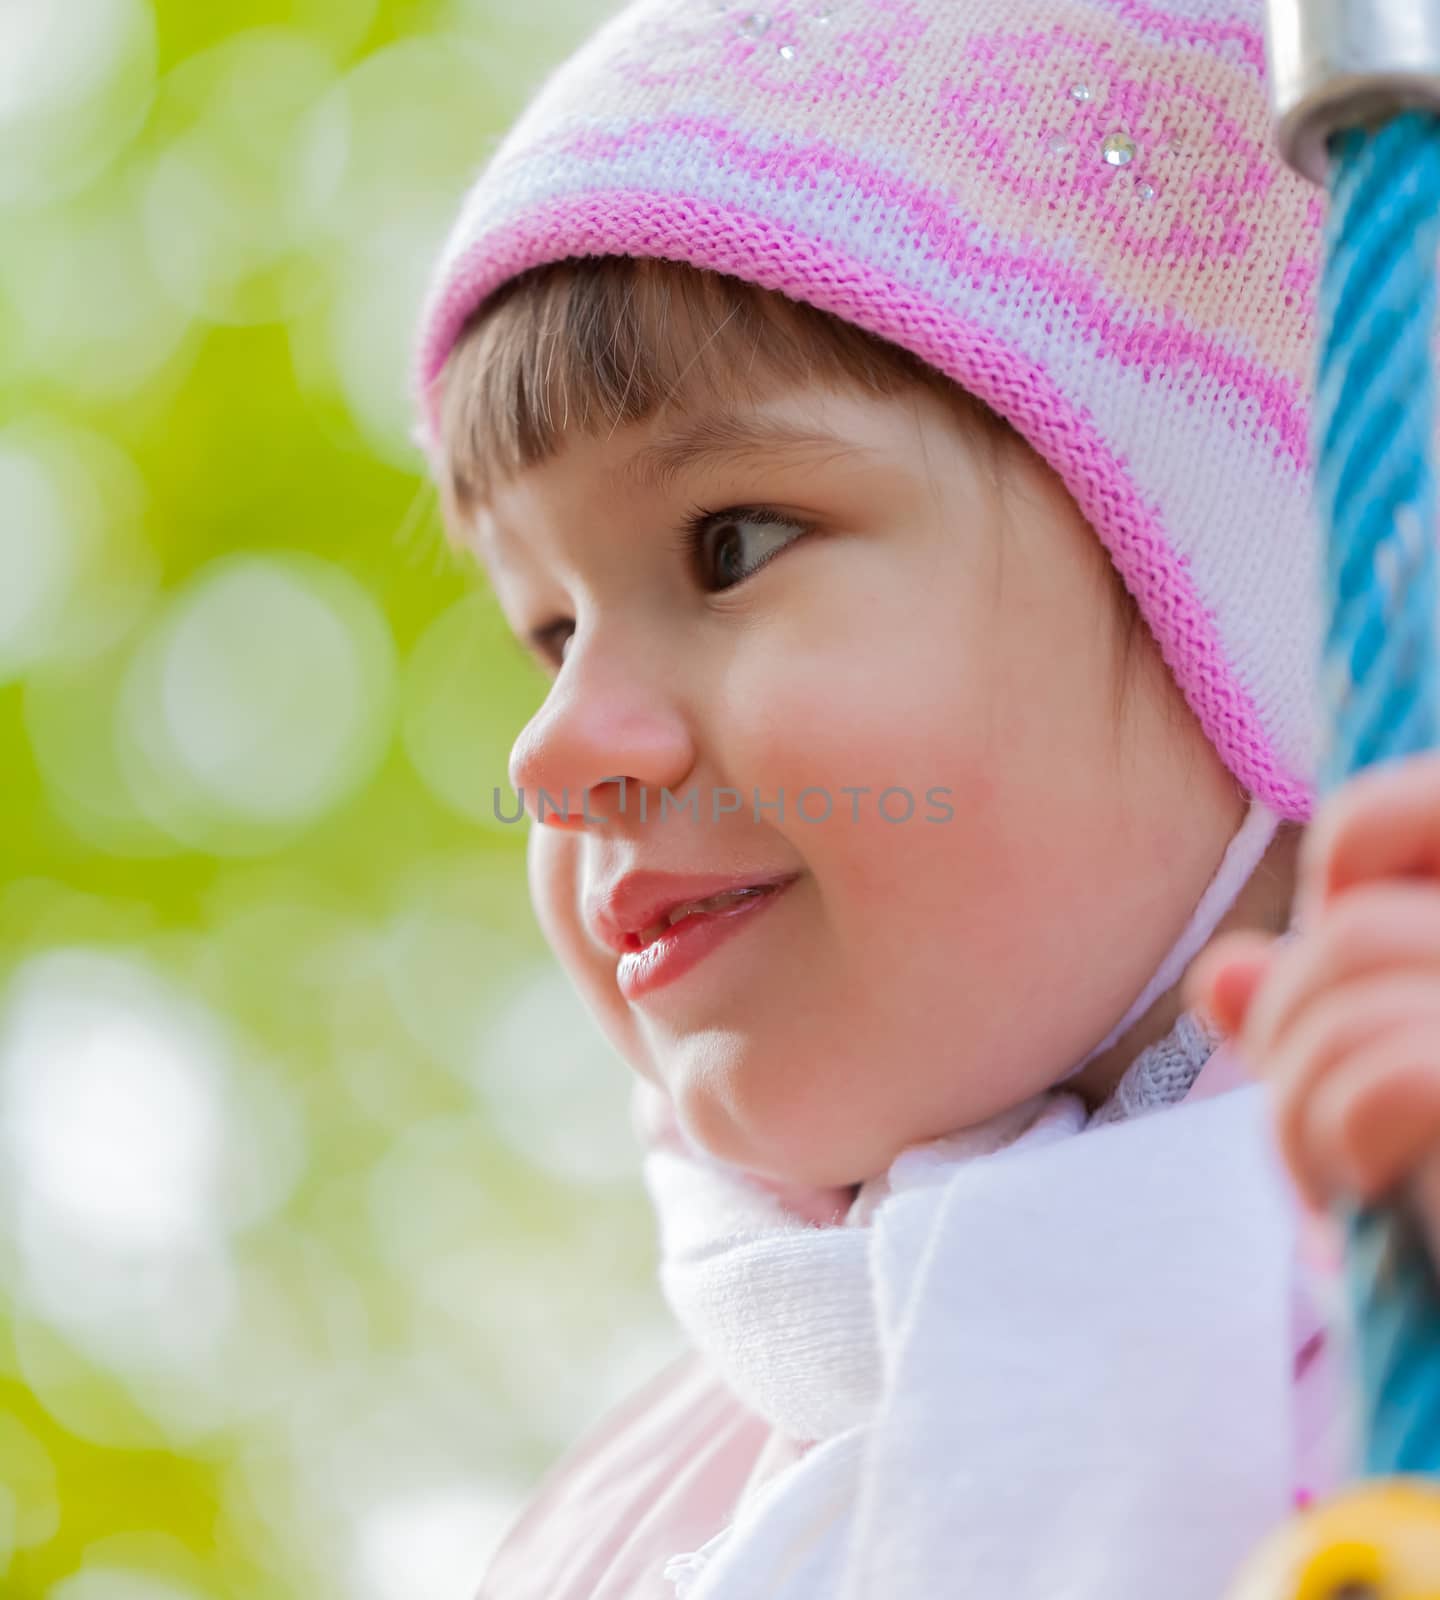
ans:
x=1344 y=1020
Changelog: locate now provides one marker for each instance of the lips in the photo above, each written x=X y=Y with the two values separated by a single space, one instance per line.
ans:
x=642 y=907
x=664 y=951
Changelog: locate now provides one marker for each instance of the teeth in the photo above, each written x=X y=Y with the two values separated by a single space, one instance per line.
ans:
x=729 y=897
x=715 y=902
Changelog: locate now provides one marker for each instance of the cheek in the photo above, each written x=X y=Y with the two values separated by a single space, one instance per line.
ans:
x=935 y=846
x=553 y=862
x=866 y=706
x=873 y=664
x=850 y=707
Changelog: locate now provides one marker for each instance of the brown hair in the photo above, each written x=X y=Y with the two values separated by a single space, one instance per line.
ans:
x=593 y=343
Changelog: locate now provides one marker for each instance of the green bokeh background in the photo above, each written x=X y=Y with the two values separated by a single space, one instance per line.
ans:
x=321 y=1229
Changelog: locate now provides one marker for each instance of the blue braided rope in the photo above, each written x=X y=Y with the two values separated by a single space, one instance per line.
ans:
x=1375 y=495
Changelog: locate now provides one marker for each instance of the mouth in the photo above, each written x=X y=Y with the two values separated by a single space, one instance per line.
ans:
x=688 y=933
x=715 y=903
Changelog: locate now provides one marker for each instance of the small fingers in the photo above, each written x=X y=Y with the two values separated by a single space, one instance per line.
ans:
x=1333 y=1031
x=1375 y=1119
x=1223 y=979
x=1381 y=823
x=1376 y=928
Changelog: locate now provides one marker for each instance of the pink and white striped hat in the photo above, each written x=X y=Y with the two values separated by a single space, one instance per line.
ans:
x=1073 y=208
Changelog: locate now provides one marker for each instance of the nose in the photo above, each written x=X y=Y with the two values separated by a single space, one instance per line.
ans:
x=611 y=725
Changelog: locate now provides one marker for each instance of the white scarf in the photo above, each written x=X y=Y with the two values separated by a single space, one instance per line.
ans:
x=1039 y=1366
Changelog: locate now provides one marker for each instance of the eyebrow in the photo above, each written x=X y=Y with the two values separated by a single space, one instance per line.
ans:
x=723 y=438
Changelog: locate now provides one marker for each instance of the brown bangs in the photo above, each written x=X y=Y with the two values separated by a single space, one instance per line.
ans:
x=593 y=343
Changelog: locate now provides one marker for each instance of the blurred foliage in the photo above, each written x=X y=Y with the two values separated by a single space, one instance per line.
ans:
x=321 y=1230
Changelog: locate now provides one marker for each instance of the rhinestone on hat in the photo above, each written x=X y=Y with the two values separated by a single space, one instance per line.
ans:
x=1080 y=92
x=754 y=24
x=786 y=52
x=1118 y=149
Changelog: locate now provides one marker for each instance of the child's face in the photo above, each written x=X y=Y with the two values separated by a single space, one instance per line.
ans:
x=916 y=975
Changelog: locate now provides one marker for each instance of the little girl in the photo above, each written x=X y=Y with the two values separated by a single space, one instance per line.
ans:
x=887 y=424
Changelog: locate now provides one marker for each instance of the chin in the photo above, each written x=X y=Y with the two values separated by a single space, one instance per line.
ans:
x=731 y=1103
x=790 y=1163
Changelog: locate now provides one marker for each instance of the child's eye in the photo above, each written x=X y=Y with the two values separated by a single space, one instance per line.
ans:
x=726 y=547
x=731 y=545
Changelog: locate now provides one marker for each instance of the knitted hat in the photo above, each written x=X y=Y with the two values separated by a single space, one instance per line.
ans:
x=1072 y=208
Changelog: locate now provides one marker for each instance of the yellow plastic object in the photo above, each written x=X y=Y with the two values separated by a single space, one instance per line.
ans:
x=1380 y=1541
